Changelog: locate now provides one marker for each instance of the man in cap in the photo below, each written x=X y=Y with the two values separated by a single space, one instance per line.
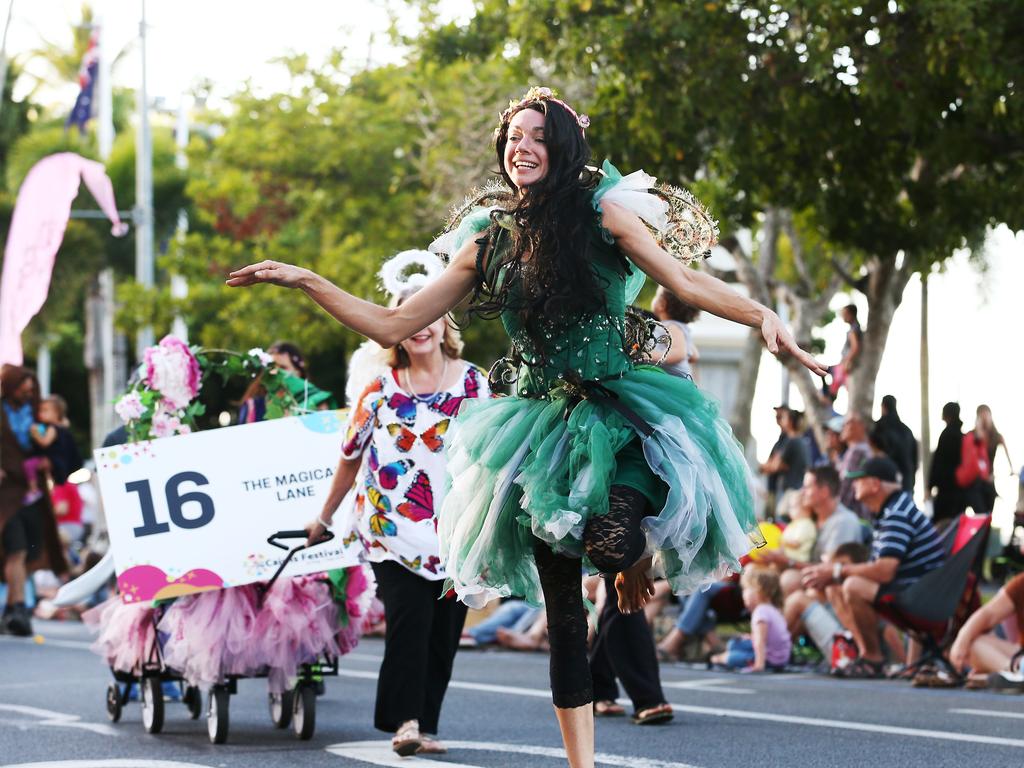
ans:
x=905 y=547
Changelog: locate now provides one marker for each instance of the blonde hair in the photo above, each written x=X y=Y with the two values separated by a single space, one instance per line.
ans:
x=765 y=581
x=451 y=340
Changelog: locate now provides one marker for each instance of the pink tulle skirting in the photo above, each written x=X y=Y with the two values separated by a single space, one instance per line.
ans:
x=242 y=631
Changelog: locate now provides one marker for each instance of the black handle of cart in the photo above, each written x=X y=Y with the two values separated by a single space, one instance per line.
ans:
x=297 y=534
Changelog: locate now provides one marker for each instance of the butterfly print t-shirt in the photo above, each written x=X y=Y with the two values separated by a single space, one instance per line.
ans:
x=401 y=481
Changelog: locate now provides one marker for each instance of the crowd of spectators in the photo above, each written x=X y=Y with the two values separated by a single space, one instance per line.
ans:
x=48 y=505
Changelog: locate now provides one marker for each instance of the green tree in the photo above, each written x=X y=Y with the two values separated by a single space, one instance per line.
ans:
x=866 y=140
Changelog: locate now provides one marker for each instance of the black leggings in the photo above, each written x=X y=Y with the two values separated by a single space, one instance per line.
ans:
x=613 y=542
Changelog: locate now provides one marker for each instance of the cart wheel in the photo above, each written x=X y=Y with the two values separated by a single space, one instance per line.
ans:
x=114 y=706
x=217 y=714
x=304 y=712
x=281 y=708
x=152 y=697
x=193 y=699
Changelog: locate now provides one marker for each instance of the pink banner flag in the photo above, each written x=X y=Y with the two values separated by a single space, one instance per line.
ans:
x=37 y=229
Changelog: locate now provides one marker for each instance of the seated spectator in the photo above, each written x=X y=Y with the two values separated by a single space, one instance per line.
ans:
x=809 y=611
x=768 y=646
x=905 y=547
x=515 y=615
x=977 y=648
x=799 y=536
x=836 y=525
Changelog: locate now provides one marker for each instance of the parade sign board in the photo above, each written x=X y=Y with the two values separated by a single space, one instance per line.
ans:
x=192 y=513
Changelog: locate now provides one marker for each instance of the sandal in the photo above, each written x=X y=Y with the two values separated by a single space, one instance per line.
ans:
x=407 y=740
x=861 y=669
x=608 y=708
x=662 y=713
x=431 y=746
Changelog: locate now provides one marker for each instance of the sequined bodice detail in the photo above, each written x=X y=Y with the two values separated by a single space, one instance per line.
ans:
x=591 y=348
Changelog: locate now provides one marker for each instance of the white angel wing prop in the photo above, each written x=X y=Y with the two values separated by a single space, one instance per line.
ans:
x=89 y=583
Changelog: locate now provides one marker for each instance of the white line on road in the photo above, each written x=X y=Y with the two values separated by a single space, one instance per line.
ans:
x=135 y=762
x=380 y=753
x=744 y=714
x=58 y=719
x=712 y=685
x=988 y=713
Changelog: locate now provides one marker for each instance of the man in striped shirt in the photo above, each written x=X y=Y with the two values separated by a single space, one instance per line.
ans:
x=905 y=547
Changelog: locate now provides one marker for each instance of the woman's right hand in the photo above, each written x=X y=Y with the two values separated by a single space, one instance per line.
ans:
x=273 y=272
x=315 y=532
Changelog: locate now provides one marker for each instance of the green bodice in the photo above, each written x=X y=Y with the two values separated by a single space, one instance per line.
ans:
x=591 y=348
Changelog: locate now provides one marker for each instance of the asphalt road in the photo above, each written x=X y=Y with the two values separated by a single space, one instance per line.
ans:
x=498 y=713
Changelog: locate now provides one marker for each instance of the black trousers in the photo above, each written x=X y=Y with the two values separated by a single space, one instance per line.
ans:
x=613 y=542
x=422 y=637
x=624 y=649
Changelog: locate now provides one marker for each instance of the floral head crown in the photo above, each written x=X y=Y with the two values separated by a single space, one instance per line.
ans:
x=540 y=93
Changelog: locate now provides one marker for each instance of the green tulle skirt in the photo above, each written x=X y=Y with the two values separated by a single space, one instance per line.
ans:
x=520 y=470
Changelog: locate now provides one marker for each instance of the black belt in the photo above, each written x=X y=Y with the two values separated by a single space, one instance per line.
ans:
x=578 y=389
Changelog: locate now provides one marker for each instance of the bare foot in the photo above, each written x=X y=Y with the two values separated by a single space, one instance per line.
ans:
x=634 y=586
x=517 y=641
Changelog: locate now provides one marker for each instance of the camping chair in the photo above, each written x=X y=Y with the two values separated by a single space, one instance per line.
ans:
x=932 y=609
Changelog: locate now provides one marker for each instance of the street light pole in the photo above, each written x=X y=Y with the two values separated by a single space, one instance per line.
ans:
x=143 y=193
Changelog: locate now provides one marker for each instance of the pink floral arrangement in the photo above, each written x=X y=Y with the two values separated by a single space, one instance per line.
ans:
x=173 y=371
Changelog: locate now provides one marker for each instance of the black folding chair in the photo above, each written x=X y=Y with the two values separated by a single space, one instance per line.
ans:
x=932 y=609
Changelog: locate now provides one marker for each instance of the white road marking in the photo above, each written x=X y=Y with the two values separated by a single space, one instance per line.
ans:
x=744 y=714
x=136 y=762
x=380 y=753
x=58 y=719
x=76 y=644
x=712 y=685
x=988 y=713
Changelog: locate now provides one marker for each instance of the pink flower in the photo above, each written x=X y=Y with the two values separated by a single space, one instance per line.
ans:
x=173 y=371
x=130 y=407
x=165 y=424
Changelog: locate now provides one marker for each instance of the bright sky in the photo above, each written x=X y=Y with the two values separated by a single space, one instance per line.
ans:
x=975 y=320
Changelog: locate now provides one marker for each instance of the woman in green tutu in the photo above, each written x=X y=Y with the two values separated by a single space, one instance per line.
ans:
x=595 y=457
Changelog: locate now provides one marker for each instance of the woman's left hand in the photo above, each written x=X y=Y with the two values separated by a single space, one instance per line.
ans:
x=779 y=340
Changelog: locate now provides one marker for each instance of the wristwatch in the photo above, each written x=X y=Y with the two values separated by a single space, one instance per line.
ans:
x=837 y=572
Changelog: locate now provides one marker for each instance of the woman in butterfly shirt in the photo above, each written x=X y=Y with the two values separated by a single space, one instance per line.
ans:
x=394 y=453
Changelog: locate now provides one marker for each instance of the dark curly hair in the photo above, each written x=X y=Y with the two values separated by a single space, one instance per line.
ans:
x=554 y=222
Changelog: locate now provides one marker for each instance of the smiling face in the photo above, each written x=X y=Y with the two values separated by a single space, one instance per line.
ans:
x=427 y=341
x=526 y=155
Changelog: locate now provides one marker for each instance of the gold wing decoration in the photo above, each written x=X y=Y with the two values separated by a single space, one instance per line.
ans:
x=492 y=194
x=690 y=232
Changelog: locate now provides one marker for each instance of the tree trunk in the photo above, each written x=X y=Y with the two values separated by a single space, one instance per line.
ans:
x=757 y=278
x=750 y=366
x=884 y=291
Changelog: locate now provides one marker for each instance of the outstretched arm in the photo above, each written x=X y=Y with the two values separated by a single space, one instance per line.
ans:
x=698 y=288
x=385 y=326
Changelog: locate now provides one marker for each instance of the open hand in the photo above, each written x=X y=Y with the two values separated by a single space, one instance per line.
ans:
x=634 y=587
x=779 y=341
x=273 y=272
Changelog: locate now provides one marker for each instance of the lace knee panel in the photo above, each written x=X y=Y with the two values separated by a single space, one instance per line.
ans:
x=614 y=541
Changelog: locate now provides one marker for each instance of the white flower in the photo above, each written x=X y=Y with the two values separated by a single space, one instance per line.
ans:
x=130 y=407
x=259 y=354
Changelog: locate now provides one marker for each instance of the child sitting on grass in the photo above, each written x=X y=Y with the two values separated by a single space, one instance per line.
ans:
x=768 y=646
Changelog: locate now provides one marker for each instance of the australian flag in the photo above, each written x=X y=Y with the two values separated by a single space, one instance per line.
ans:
x=86 y=80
